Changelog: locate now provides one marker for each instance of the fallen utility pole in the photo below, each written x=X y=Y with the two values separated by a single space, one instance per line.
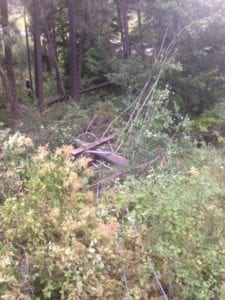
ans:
x=95 y=149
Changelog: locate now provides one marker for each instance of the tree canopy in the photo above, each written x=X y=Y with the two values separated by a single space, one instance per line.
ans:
x=87 y=43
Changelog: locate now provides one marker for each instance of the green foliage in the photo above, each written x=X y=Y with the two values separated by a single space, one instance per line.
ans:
x=153 y=129
x=61 y=123
x=129 y=74
x=181 y=217
x=194 y=68
x=200 y=85
x=53 y=243
x=211 y=119
x=56 y=244
x=207 y=120
x=14 y=151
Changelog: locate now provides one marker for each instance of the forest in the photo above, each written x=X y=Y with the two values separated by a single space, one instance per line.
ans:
x=112 y=149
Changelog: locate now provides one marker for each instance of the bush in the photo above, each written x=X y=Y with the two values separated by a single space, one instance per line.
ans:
x=56 y=243
x=53 y=244
x=207 y=120
x=181 y=221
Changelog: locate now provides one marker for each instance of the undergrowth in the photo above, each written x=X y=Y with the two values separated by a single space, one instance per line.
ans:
x=63 y=122
x=57 y=241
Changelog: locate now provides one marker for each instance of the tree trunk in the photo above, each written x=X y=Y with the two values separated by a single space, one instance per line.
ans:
x=141 y=34
x=28 y=52
x=83 y=37
x=11 y=96
x=74 y=78
x=38 y=64
x=120 y=24
x=124 y=19
x=52 y=42
x=54 y=62
x=9 y=80
x=46 y=56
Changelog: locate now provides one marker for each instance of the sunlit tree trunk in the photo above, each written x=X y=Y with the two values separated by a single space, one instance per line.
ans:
x=124 y=16
x=52 y=43
x=120 y=24
x=28 y=52
x=141 y=34
x=38 y=64
x=74 y=91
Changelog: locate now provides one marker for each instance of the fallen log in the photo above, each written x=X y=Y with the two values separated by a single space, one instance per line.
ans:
x=60 y=98
x=54 y=99
x=95 y=87
x=99 y=152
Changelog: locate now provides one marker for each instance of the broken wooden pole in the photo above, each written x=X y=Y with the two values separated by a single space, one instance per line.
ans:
x=95 y=149
x=88 y=146
x=110 y=157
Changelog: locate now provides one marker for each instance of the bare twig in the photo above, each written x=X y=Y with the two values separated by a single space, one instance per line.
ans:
x=157 y=280
x=124 y=275
x=86 y=133
x=162 y=45
x=102 y=164
x=91 y=122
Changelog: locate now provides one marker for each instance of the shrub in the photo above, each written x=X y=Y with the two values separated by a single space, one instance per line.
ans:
x=54 y=244
x=181 y=220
